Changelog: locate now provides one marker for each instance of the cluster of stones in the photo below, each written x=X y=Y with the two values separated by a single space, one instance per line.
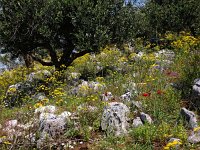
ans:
x=49 y=126
x=17 y=91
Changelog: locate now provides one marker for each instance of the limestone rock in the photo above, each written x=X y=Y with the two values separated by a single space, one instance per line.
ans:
x=115 y=118
x=165 y=54
x=190 y=117
x=65 y=114
x=39 y=75
x=31 y=137
x=145 y=118
x=163 y=64
x=46 y=116
x=195 y=96
x=39 y=96
x=52 y=126
x=12 y=89
x=137 y=122
x=196 y=86
x=11 y=124
x=194 y=138
x=126 y=97
x=45 y=109
x=11 y=129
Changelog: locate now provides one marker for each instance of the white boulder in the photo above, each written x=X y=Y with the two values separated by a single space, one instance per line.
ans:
x=115 y=118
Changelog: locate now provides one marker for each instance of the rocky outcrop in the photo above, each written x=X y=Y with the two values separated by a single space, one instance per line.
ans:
x=52 y=126
x=46 y=109
x=126 y=97
x=137 y=122
x=195 y=96
x=194 y=138
x=165 y=54
x=145 y=118
x=189 y=117
x=115 y=119
x=39 y=75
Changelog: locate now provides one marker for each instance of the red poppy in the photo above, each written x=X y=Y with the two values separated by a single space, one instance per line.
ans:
x=146 y=94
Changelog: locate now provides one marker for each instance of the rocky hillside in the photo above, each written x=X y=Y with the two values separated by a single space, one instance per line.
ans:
x=136 y=97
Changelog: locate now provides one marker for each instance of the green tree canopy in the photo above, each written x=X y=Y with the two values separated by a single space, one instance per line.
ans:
x=173 y=15
x=63 y=29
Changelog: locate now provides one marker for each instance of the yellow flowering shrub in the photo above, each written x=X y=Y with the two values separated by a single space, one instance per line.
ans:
x=57 y=95
x=82 y=60
x=185 y=42
x=58 y=92
x=11 y=77
x=170 y=36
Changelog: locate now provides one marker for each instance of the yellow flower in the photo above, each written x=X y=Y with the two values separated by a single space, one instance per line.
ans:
x=37 y=105
x=143 y=83
x=148 y=46
x=150 y=78
x=58 y=92
x=12 y=90
x=177 y=44
x=105 y=103
x=172 y=144
x=7 y=143
x=59 y=101
x=167 y=135
x=169 y=36
x=45 y=100
x=166 y=148
x=63 y=66
x=196 y=129
x=123 y=59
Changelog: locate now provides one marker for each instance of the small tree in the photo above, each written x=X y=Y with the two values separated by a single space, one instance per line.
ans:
x=62 y=30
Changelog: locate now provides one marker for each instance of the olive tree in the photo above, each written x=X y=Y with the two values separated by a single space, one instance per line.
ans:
x=56 y=32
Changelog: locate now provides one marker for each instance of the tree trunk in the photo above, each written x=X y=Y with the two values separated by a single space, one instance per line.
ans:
x=28 y=60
